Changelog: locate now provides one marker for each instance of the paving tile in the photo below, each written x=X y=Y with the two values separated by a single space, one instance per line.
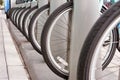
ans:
x=11 y=53
x=3 y=79
x=3 y=68
x=18 y=79
x=17 y=73
x=10 y=61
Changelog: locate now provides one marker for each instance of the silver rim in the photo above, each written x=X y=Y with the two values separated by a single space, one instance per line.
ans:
x=36 y=38
x=107 y=45
x=21 y=27
x=27 y=21
x=110 y=72
x=19 y=15
x=57 y=60
x=15 y=15
x=12 y=14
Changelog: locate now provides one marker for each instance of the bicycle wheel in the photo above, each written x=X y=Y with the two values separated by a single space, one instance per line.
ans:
x=109 y=46
x=20 y=19
x=90 y=66
x=12 y=14
x=33 y=31
x=55 y=40
x=118 y=30
x=26 y=19
x=15 y=16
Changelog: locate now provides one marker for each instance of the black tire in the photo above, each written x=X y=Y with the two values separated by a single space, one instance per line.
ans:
x=91 y=43
x=21 y=17
x=15 y=19
x=31 y=26
x=15 y=16
x=25 y=19
x=118 y=32
x=113 y=49
x=44 y=37
x=12 y=14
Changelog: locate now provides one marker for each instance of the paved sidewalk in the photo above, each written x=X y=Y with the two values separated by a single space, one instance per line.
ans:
x=11 y=66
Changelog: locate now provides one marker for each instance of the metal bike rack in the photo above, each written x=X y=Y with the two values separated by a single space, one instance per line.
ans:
x=28 y=4
x=55 y=3
x=13 y=4
x=85 y=14
x=34 y=3
x=42 y=2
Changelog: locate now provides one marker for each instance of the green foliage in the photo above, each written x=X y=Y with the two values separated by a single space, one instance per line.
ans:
x=1 y=2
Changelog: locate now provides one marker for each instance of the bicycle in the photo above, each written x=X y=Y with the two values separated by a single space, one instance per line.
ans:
x=26 y=19
x=33 y=31
x=52 y=45
x=59 y=22
x=56 y=54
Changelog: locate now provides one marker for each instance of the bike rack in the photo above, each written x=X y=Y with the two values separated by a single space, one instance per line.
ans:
x=55 y=3
x=28 y=4
x=33 y=3
x=13 y=4
x=42 y=2
x=85 y=15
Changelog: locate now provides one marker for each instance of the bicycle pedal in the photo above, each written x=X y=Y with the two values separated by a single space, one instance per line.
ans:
x=61 y=60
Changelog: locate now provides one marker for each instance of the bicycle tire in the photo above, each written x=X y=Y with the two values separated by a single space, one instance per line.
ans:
x=60 y=10
x=12 y=14
x=21 y=17
x=118 y=47
x=92 y=42
x=17 y=14
x=10 y=11
x=17 y=17
x=25 y=19
x=32 y=26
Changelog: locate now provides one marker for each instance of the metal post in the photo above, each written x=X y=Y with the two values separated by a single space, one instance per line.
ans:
x=33 y=3
x=55 y=3
x=85 y=14
x=13 y=3
x=119 y=74
x=42 y=2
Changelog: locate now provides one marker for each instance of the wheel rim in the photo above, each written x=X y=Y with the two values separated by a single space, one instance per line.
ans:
x=36 y=34
x=21 y=19
x=107 y=41
x=12 y=16
x=96 y=72
x=15 y=15
x=27 y=21
x=60 y=63
x=18 y=16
